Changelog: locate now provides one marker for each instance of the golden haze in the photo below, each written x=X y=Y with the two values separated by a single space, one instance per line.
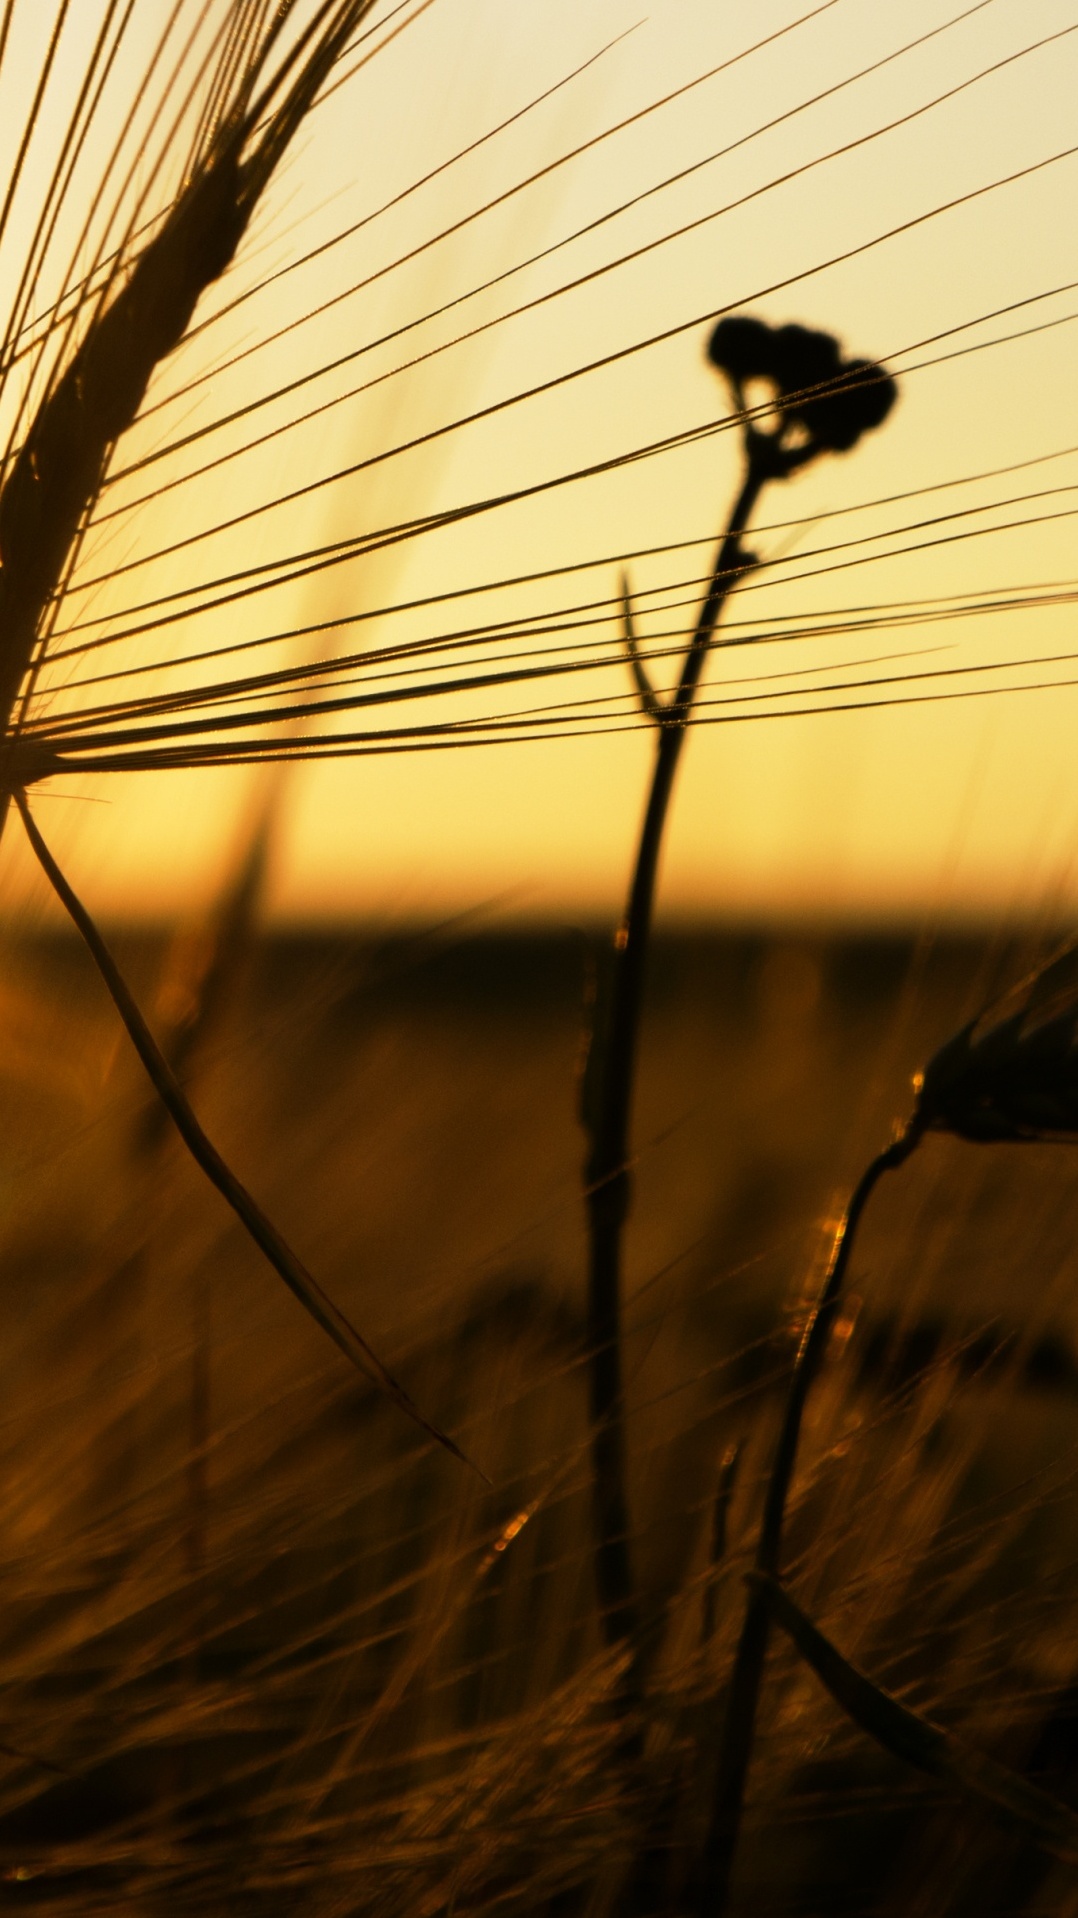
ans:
x=961 y=806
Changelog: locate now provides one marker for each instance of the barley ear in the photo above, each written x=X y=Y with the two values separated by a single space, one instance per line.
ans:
x=1011 y=1074
x=55 y=475
x=53 y=479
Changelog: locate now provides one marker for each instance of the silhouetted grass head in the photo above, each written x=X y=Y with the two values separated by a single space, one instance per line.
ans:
x=98 y=346
x=825 y=403
x=1011 y=1074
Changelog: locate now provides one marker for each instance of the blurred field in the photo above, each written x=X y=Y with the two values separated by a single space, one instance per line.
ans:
x=256 y=1650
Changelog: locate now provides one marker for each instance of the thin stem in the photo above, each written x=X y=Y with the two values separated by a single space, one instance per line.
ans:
x=205 y=1154
x=606 y=1172
x=735 y=1750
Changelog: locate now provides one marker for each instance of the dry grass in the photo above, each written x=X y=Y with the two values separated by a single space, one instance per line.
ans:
x=271 y=1635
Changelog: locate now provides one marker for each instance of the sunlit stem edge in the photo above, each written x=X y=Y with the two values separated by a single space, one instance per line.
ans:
x=735 y=1748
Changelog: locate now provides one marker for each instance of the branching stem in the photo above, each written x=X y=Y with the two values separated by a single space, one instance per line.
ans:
x=607 y=1168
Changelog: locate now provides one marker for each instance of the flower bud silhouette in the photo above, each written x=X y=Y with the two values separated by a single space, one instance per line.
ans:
x=828 y=401
x=803 y=357
x=861 y=399
x=743 y=348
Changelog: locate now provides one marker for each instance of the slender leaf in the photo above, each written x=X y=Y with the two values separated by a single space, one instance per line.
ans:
x=916 y=1739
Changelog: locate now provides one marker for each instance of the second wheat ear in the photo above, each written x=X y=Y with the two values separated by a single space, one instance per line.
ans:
x=258 y=1226
x=1009 y=1076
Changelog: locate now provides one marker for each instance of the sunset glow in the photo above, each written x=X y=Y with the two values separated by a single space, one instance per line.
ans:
x=904 y=179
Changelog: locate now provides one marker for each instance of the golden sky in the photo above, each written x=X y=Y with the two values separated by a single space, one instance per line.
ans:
x=815 y=176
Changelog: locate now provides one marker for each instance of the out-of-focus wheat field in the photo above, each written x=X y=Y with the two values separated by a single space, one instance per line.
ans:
x=263 y=1648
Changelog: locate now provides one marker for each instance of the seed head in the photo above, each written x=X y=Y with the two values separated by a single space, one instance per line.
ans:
x=1012 y=1073
x=742 y=348
x=828 y=400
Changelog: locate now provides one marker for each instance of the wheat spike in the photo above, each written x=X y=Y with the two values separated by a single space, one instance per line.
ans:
x=54 y=476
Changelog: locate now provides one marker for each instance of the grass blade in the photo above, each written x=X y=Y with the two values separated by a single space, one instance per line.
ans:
x=918 y=1740
x=251 y=1216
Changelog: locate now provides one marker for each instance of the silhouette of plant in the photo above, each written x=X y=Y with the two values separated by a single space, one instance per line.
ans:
x=109 y=337
x=1009 y=1076
x=817 y=402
